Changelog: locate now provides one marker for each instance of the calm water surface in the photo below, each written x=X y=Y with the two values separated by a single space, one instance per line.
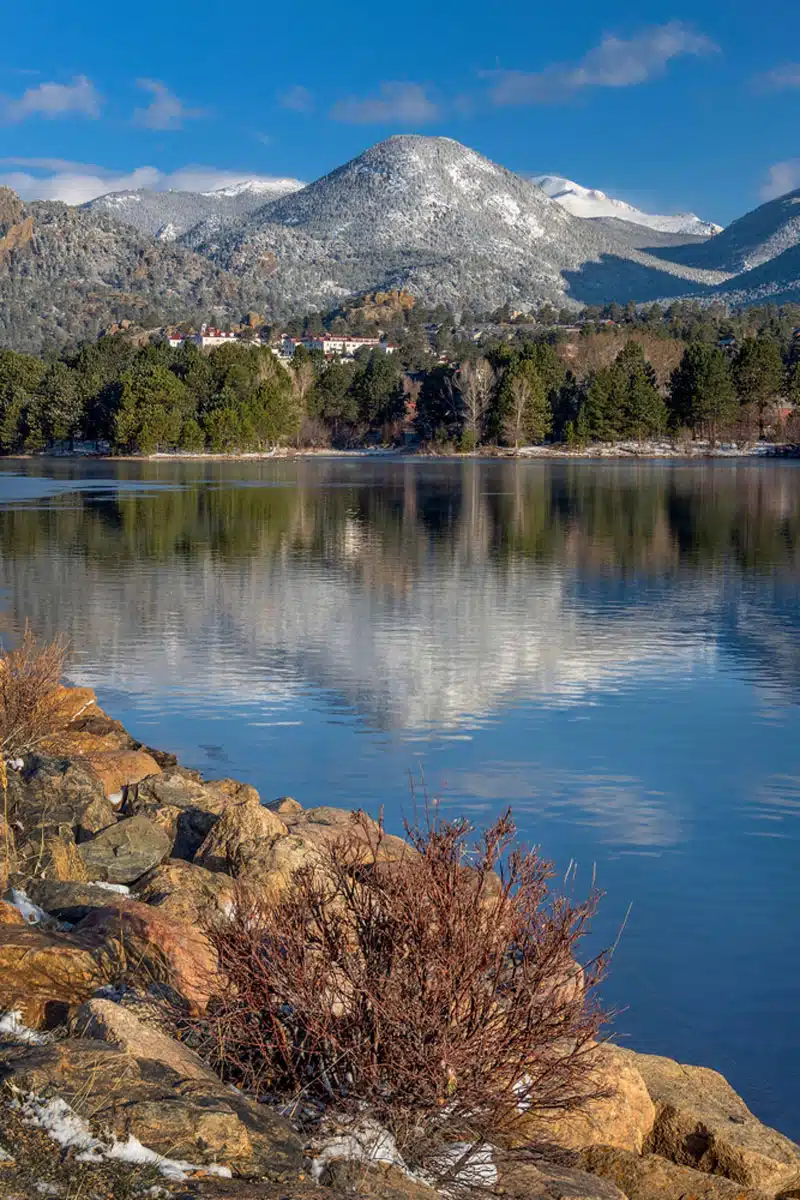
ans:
x=612 y=649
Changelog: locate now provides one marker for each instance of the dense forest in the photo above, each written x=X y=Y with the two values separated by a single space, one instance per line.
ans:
x=619 y=374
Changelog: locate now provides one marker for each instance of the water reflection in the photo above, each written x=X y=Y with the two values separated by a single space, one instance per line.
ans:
x=613 y=649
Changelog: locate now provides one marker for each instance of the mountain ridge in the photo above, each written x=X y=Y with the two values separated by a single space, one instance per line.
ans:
x=591 y=203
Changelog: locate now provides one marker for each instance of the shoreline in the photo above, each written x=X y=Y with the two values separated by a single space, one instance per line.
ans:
x=622 y=451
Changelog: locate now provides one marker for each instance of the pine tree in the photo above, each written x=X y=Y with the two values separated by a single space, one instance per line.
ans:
x=759 y=376
x=526 y=412
x=702 y=393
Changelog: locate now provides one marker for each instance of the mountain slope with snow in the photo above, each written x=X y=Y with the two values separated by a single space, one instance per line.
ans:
x=753 y=240
x=589 y=203
x=434 y=217
x=167 y=215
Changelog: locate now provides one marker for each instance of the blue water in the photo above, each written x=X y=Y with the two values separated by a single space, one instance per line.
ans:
x=612 y=649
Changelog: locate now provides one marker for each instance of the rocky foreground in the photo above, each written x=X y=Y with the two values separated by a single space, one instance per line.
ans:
x=116 y=860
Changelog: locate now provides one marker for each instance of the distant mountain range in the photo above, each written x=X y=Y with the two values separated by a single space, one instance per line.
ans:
x=592 y=204
x=421 y=213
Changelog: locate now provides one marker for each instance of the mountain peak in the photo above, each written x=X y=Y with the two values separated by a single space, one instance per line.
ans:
x=591 y=203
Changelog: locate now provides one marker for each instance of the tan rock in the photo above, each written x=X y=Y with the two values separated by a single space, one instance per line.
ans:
x=156 y=947
x=10 y=915
x=200 y=1120
x=541 y=1180
x=701 y=1122
x=654 y=1178
x=119 y=768
x=44 y=974
x=285 y=806
x=232 y=789
x=105 y=1021
x=188 y=892
x=271 y=868
x=380 y=1181
x=242 y=830
x=622 y=1119
x=124 y=851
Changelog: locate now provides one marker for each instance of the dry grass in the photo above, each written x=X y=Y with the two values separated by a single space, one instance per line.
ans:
x=439 y=993
x=30 y=677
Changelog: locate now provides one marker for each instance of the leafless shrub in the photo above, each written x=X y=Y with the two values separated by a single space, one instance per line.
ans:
x=30 y=702
x=438 y=992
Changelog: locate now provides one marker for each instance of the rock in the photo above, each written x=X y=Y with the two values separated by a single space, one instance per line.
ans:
x=233 y=789
x=124 y=851
x=188 y=892
x=202 y=1121
x=98 y=815
x=285 y=807
x=184 y=806
x=623 y=1119
x=70 y=900
x=379 y=1180
x=105 y=1021
x=158 y=949
x=270 y=869
x=701 y=1122
x=243 y=829
x=44 y=974
x=53 y=799
x=540 y=1180
x=118 y=768
x=9 y=915
x=8 y=851
x=654 y=1178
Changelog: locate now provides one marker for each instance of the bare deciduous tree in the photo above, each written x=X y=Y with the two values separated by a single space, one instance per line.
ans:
x=476 y=382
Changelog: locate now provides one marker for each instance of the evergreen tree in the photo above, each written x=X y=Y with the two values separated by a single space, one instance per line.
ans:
x=759 y=376
x=702 y=393
x=153 y=407
x=526 y=412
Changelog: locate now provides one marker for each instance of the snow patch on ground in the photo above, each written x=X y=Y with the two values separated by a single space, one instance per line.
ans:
x=361 y=1141
x=71 y=1132
x=14 y=1029
x=121 y=889
x=29 y=911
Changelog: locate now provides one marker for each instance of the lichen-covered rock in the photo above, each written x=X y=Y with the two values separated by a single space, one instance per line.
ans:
x=199 y=1120
x=184 y=806
x=701 y=1122
x=623 y=1118
x=44 y=974
x=188 y=892
x=117 y=768
x=105 y=1021
x=124 y=851
x=9 y=915
x=243 y=830
x=70 y=900
x=51 y=799
x=157 y=948
x=653 y=1178
x=285 y=806
x=542 y=1180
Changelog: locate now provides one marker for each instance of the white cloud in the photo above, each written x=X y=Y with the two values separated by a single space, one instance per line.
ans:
x=782 y=177
x=297 y=99
x=75 y=183
x=165 y=110
x=615 y=63
x=53 y=100
x=398 y=103
x=780 y=79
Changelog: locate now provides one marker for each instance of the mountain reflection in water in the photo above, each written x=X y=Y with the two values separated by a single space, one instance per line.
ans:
x=611 y=648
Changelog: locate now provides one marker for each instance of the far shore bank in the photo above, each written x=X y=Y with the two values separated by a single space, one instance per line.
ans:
x=619 y=450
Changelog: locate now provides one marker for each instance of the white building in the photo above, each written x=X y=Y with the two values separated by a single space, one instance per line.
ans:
x=344 y=345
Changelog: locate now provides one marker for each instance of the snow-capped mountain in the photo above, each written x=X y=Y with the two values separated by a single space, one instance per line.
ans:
x=589 y=203
x=432 y=216
x=167 y=215
x=753 y=240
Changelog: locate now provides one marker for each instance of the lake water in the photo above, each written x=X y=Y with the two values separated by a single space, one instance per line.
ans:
x=612 y=649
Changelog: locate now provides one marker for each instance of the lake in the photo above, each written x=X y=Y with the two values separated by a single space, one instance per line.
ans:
x=613 y=649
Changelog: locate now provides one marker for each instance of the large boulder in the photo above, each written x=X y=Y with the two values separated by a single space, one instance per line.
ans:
x=654 y=1178
x=105 y=1021
x=124 y=1094
x=118 y=767
x=70 y=900
x=158 y=949
x=244 y=828
x=188 y=892
x=54 y=800
x=185 y=807
x=543 y=1180
x=124 y=851
x=701 y=1122
x=9 y=915
x=43 y=975
x=622 y=1117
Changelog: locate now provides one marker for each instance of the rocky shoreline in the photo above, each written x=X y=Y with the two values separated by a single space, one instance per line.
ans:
x=116 y=859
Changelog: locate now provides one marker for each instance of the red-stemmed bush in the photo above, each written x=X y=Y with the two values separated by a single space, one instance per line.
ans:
x=436 y=990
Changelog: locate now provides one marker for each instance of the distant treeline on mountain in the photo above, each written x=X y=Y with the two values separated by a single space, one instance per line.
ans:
x=424 y=215
x=625 y=375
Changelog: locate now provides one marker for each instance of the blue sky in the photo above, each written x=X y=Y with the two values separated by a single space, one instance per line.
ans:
x=668 y=105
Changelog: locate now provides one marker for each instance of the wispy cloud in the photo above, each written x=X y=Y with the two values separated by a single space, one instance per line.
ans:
x=297 y=99
x=615 y=63
x=75 y=183
x=782 y=177
x=165 y=110
x=780 y=79
x=53 y=100
x=397 y=104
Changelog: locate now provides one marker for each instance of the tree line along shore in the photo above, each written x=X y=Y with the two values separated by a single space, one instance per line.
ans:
x=681 y=375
